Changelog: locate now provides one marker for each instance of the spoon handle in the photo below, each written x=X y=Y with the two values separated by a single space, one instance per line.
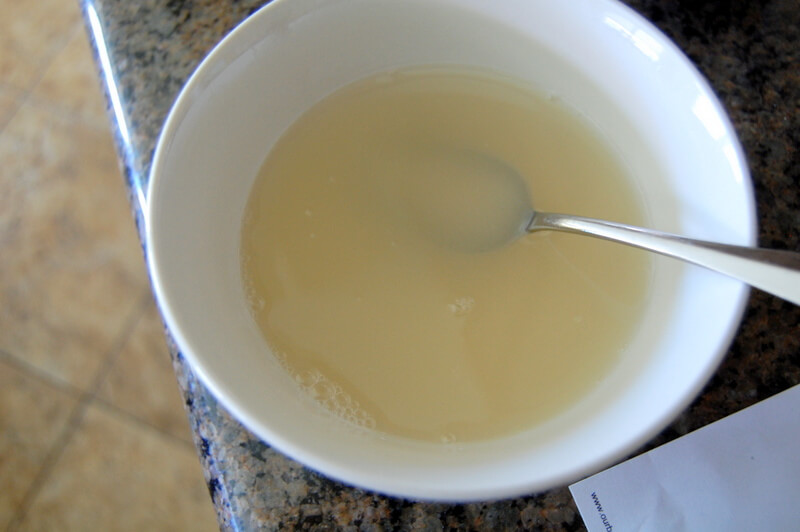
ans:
x=774 y=271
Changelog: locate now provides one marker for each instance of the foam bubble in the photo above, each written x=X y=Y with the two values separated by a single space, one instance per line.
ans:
x=553 y=97
x=328 y=394
x=332 y=397
x=461 y=306
x=447 y=438
x=254 y=302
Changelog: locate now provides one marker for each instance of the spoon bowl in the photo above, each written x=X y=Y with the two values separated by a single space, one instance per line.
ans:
x=470 y=202
x=495 y=209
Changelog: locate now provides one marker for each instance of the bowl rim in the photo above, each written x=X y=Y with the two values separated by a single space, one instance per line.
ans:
x=246 y=34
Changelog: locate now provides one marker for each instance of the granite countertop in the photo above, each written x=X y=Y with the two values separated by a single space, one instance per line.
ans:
x=748 y=50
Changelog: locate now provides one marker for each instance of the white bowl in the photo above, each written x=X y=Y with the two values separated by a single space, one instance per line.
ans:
x=598 y=56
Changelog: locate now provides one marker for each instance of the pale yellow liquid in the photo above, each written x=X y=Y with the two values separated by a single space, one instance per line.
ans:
x=395 y=329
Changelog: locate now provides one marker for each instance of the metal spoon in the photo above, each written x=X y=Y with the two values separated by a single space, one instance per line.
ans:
x=774 y=271
x=506 y=210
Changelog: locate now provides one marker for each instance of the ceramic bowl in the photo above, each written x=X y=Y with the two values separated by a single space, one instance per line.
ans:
x=599 y=57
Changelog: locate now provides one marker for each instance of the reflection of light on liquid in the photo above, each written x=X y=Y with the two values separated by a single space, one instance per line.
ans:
x=111 y=85
x=640 y=39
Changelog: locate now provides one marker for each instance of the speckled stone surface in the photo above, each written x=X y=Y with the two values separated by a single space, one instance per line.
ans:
x=749 y=52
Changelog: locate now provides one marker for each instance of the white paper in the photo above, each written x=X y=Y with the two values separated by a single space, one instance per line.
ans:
x=740 y=473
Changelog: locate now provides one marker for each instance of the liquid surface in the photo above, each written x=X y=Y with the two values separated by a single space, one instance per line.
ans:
x=389 y=326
